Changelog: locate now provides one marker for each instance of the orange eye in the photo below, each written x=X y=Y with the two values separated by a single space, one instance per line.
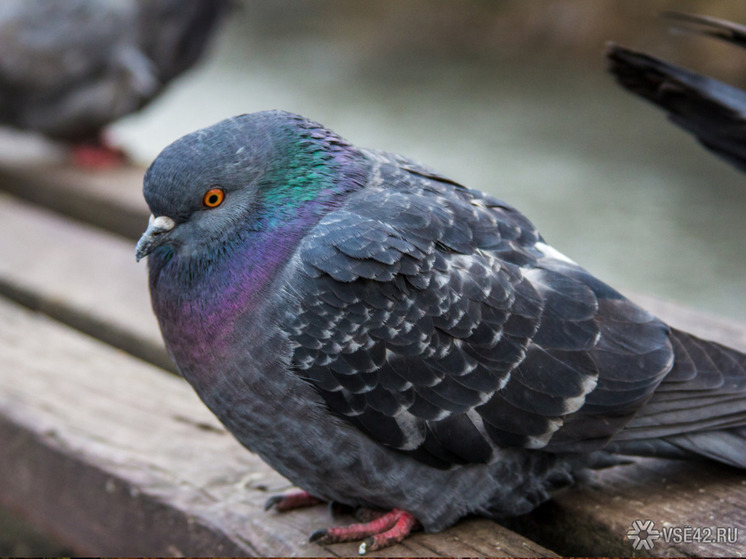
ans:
x=213 y=197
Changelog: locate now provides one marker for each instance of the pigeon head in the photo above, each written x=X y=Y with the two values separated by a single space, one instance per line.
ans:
x=259 y=172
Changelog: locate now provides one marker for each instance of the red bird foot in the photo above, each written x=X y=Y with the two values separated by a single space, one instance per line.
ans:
x=98 y=156
x=389 y=528
x=290 y=501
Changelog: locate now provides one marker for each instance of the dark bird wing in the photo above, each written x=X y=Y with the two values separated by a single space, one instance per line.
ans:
x=700 y=407
x=711 y=110
x=436 y=320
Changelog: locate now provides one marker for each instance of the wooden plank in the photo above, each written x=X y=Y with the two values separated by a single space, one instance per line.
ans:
x=114 y=457
x=18 y=538
x=673 y=494
x=110 y=199
x=599 y=525
x=84 y=277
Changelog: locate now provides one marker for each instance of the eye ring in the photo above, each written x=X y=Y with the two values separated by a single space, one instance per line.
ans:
x=213 y=197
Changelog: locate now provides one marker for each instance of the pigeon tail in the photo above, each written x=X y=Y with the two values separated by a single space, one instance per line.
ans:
x=699 y=408
x=728 y=446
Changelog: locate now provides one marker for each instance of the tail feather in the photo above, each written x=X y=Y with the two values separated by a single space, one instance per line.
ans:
x=699 y=408
x=654 y=448
x=703 y=368
x=727 y=446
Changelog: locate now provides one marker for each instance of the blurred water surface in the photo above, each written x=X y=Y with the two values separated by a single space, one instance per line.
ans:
x=606 y=179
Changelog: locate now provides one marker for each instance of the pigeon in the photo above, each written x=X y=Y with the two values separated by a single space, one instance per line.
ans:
x=70 y=67
x=714 y=112
x=392 y=341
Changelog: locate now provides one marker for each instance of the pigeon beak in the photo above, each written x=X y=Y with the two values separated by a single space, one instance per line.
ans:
x=154 y=236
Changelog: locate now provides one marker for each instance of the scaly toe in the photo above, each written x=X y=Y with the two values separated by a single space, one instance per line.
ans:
x=387 y=529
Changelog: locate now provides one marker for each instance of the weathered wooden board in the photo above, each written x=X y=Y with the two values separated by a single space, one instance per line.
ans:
x=589 y=520
x=110 y=199
x=114 y=457
x=597 y=517
x=18 y=538
x=79 y=275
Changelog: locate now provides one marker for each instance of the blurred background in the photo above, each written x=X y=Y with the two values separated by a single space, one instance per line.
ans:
x=507 y=96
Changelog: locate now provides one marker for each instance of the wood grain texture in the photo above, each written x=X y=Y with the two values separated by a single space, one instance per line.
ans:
x=671 y=493
x=82 y=276
x=114 y=457
x=110 y=199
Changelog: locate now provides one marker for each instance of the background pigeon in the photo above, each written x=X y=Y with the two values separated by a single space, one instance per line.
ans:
x=711 y=110
x=70 y=67
x=387 y=338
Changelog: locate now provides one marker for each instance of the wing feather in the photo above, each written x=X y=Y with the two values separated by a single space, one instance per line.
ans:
x=436 y=320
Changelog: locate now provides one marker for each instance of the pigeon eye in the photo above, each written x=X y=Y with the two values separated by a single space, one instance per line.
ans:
x=213 y=197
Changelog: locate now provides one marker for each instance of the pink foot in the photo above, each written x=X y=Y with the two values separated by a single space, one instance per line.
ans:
x=98 y=156
x=290 y=501
x=388 y=529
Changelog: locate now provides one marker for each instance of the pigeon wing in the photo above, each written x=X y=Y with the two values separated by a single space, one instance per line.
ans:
x=436 y=320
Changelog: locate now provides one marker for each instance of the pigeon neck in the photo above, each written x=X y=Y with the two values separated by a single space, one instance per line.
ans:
x=317 y=174
x=200 y=298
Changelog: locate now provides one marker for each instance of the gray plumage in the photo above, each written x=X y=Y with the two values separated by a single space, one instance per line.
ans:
x=386 y=337
x=70 y=67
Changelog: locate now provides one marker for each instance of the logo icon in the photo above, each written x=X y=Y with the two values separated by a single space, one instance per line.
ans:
x=643 y=534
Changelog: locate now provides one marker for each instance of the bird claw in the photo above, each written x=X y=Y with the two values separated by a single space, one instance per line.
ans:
x=388 y=529
x=272 y=501
x=290 y=501
x=366 y=546
x=318 y=535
